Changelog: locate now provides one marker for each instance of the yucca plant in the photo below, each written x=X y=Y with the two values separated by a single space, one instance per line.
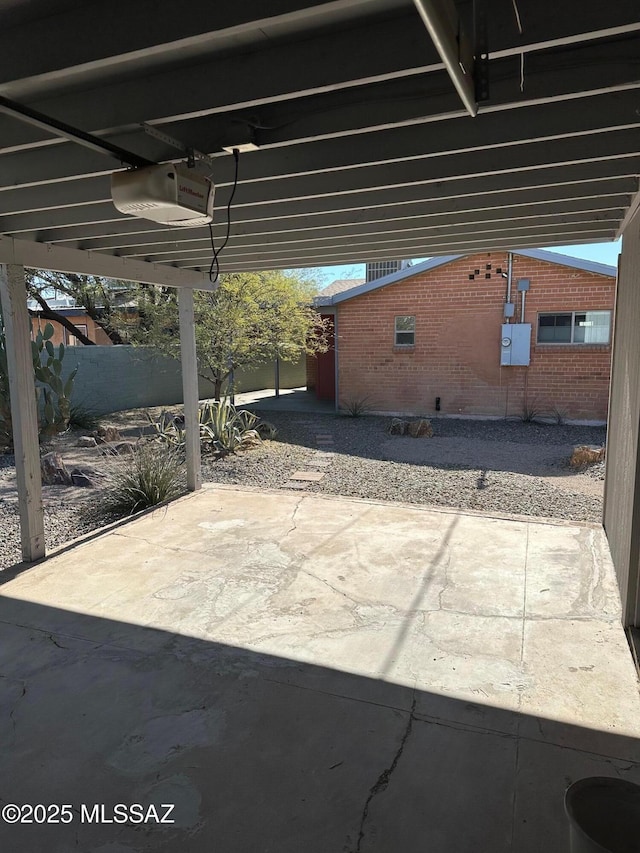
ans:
x=151 y=475
x=530 y=413
x=355 y=407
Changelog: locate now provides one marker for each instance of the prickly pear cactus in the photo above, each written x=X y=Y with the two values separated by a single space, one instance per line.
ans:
x=56 y=394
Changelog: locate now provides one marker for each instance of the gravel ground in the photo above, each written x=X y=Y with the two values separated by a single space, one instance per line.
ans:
x=490 y=466
x=369 y=463
x=68 y=513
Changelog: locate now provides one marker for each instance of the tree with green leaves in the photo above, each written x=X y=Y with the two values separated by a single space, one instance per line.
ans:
x=251 y=319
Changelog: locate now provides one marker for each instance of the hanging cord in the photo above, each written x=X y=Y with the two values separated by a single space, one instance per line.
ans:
x=216 y=252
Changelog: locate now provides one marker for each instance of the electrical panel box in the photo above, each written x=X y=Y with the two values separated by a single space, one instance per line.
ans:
x=515 y=344
x=509 y=309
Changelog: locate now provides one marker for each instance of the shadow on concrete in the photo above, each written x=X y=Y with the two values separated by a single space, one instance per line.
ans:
x=289 y=400
x=262 y=753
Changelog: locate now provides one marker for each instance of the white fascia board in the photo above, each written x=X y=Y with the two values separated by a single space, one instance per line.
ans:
x=385 y=280
x=568 y=261
x=61 y=259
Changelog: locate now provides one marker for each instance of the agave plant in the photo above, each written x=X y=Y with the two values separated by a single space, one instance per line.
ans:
x=223 y=428
x=226 y=428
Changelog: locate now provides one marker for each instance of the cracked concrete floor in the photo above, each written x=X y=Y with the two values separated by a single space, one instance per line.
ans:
x=305 y=673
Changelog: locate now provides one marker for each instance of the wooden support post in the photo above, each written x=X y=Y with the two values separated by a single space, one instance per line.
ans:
x=190 y=387
x=24 y=411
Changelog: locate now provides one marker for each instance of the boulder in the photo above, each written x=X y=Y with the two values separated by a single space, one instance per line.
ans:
x=586 y=454
x=123 y=448
x=398 y=427
x=86 y=441
x=81 y=480
x=420 y=429
x=54 y=471
x=105 y=434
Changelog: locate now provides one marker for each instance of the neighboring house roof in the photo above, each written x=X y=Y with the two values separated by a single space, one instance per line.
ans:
x=341 y=295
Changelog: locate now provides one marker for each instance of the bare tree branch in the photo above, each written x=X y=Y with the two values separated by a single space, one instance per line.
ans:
x=48 y=313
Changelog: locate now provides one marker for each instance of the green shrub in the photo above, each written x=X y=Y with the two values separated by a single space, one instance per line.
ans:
x=151 y=475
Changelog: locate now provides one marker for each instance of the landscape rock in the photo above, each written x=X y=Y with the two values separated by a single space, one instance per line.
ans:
x=398 y=427
x=420 y=429
x=585 y=454
x=106 y=434
x=123 y=448
x=86 y=441
x=81 y=480
x=54 y=471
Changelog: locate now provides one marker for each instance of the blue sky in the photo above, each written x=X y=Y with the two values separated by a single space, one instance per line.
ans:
x=604 y=253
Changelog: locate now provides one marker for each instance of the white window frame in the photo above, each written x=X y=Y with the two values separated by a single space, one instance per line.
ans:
x=572 y=342
x=70 y=340
x=398 y=331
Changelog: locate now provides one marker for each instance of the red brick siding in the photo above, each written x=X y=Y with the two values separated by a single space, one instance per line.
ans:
x=457 y=350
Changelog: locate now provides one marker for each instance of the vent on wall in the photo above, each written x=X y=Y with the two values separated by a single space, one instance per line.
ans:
x=378 y=269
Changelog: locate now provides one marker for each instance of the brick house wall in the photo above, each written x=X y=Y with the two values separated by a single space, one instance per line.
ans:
x=456 y=355
x=61 y=336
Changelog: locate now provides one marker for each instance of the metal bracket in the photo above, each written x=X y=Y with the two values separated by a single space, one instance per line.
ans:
x=192 y=153
x=481 y=52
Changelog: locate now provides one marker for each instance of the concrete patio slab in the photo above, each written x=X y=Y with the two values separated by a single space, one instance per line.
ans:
x=300 y=672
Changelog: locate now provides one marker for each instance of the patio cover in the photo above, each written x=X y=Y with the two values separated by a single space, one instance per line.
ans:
x=365 y=149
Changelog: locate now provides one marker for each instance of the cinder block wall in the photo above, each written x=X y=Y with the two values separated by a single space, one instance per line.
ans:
x=115 y=378
x=457 y=348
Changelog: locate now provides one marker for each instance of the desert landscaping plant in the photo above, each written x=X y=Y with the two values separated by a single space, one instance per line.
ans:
x=83 y=417
x=355 y=407
x=559 y=416
x=149 y=476
x=530 y=412
x=223 y=428
x=53 y=393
